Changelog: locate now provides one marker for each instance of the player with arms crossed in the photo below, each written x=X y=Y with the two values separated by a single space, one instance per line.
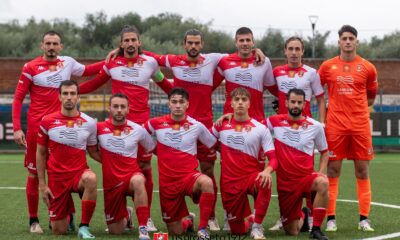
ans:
x=41 y=78
x=64 y=136
x=352 y=86
x=241 y=140
x=177 y=135
x=295 y=137
x=119 y=140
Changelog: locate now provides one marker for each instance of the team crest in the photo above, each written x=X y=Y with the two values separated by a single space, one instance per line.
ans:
x=127 y=130
x=291 y=74
x=117 y=132
x=79 y=122
x=304 y=125
x=346 y=68
x=248 y=128
x=244 y=64
x=70 y=123
x=176 y=126
x=238 y=128
x=140 y=62
x=301 y=73
x=186 y=126
x=60 y=65
x=359 y=67
x=130 y=64
x=334 y=67
x=52 y=68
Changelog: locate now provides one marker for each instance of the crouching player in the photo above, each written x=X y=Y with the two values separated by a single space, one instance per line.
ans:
x=119 y=141
x=177 y=135
x=241 y=140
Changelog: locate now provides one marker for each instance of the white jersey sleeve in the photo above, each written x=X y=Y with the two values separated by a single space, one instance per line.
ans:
x=77 y=68
x=316 y=85
x=146 y=140
x=206 y=137
x=269 y=79
x=266 y=141
x=320 y=139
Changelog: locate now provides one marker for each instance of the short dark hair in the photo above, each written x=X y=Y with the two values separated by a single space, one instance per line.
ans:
x=347 y=28
x=52 y=33
x=193 y=32
x=129 y=29
x=68 y=83
x=240 y=91
x=178 y=91
x=242 y=31
x=118 y=95
x=294 y=38
x=296 y=91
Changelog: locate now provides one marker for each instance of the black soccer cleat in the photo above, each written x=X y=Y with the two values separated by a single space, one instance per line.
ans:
x=318 y=234
x=306 y=224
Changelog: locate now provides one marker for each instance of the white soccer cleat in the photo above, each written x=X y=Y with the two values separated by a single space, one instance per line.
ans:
x=331 y=226
x=36 y=228
x=257 y=232
x=213 y=224
x=278 y=225
x=226 y=226
x=143 y=233
x=365 y=226
x=150 y=225
x=203 y=234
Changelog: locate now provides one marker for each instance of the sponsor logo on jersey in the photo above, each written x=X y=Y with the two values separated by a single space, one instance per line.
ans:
x=301 y=73
x=244 y=64
x=191 y=73
x=127 y=130
x=345 y=79
x=54 y=80
x=175 y=137
x=40 y=68
x=69 y=133
x=292 y=136
x=119 y=62
x=70 y=123
x=116 y=142
x=245 y=77
x=288 y=85
x=346 y=68
x=237 y=140
x=107 y=129
x=130 y=73
x=57 y=122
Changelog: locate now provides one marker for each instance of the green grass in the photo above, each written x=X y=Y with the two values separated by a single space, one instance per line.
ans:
x=383 y=171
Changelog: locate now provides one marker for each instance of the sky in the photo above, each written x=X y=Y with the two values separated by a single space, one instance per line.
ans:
x=371 y=18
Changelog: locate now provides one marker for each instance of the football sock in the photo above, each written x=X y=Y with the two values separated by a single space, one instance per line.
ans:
x=148 y=174
x=364 y=196
x=261 y=204
x=319 y=215
x=142 y=213
x=32 y=196
x=88 y=207
x=206 y=203
x=333 y=193
x=212 y=215
x=363 y=218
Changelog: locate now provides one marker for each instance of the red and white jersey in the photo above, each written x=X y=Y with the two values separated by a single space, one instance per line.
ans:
x=41 y=79
x=240 y=72
x=177 y=145
x=240 y=145
x=66 y=139
x=197 y=79
x=294 y=146
x=119 y=147
x=130 y=76
x=304 y=77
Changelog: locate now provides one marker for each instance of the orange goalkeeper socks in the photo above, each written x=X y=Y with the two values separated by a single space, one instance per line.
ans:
x=364 y=196
x=333 y=193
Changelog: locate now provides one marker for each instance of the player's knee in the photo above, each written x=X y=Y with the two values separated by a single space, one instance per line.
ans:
x=116 y=228
x=137 y=182
x=57 y=229
x=322 y=184
x=89 y=179
x=206 y=184
x=362 y=173
x=175 y=228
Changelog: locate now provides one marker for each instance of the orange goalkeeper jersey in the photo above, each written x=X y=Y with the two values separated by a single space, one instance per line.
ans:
x=350 y=84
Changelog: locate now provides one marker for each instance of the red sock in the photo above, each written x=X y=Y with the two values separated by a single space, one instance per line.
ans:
x=186 y=223
x=212 y=215
x=32 y=196
x=148 y=174
x=88 y=207
x=142 y=213
x=262 y=203
x=206 y=204
x=319 y=215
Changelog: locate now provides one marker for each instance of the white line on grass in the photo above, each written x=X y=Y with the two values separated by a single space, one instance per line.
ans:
x=387 y=236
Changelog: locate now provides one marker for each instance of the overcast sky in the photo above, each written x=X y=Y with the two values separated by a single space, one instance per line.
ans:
x=291 y=16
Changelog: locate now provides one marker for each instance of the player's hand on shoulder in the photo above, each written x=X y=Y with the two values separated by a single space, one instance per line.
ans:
x=227 y=116
x=19 y=137
x=260 y=57
x=112 y=55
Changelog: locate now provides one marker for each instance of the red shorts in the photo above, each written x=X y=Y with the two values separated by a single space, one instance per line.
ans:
x=204 y=154
x=115 y=201
x=352 y=147
x=235 y=200
x=290 y=202
x=30 y=152
x=62 y=204
x=172 y=197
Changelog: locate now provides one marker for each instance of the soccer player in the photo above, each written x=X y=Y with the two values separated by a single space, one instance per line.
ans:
x=241 y=140
x=41 y=78
x=295 y=74
x=130 y=74
x=119 y=140
x=295 y=138
x=177 y=135
x=239 y=71
x=63 y=139
x=352 y=86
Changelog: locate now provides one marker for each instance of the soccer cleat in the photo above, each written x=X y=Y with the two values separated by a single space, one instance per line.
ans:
x=84 y=233
x=71 y=223
x=213 y=224
x=36 y=228
x=331 y=226
x=143 y=233
x=257 y=232
x=226 y=226
x=203 y=234
x=278 y=225
x=129 y=222
x=365 y=226
x=306 y=225
x=150 y=225
x=191 y=217
x=318 y=234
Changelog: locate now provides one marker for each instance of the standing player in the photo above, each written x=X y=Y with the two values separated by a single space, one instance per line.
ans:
x=241 y=141
x=130 y=73
x=119 y=140
x=295 y=138
x=64 y=137
x=177 y=135
x=239 y=71
x=295 y=74
x=41 y=78
x=352 y=86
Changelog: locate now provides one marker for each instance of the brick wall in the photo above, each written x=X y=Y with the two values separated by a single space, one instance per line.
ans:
x=388 y=72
